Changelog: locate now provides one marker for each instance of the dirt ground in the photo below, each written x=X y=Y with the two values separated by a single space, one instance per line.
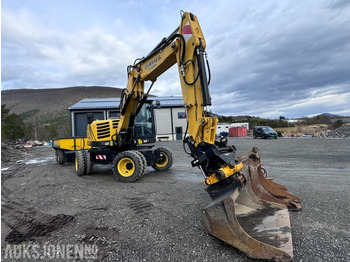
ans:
x=300 y=130
x=158 y=218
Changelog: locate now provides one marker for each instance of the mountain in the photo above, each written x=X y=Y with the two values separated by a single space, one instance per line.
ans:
x=331 y=115
x=29 y=102
x=44 y=111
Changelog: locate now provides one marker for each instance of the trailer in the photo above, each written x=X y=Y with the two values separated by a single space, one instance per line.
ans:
x=65 y=148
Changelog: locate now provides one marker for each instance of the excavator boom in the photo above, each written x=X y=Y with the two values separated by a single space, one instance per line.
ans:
x=247 y=210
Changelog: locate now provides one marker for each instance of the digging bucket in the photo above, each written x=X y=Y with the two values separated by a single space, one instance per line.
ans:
x=259 y=228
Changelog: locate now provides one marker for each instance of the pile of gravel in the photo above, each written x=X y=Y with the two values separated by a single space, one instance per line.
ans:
x=11 y=153
x=340 y=132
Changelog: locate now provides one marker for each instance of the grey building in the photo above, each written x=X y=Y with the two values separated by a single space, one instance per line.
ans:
x=170 y=115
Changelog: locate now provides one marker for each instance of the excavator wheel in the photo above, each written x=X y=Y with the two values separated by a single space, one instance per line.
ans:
x=80 y=163
x=144 y=161
x=89 y=165
x=165 y=161
x=128 y=166
x=60 y=156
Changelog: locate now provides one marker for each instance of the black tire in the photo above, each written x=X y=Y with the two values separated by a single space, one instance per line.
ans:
x=254 y=137
x=60 y=157
x=128 y=166
x=80 y=163
x=144 y=161
x=166 y=160
x=89 y=165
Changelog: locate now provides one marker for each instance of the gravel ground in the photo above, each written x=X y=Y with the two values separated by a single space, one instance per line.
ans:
x=158 y=218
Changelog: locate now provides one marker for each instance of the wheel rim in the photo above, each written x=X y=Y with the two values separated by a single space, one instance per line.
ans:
x=76 y=164
x=126 y=167
x=163 y=161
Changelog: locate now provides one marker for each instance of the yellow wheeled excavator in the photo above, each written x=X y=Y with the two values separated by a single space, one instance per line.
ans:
x=247 y=210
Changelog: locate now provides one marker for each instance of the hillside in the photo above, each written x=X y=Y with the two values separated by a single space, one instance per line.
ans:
x=29 y=102
x=44 y=111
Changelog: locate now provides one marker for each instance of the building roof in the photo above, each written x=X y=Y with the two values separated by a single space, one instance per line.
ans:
x=96 y=103
x=168 y=101
x=113 y=103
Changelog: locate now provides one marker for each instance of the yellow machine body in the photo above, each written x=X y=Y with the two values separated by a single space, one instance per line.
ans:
x=102 y=130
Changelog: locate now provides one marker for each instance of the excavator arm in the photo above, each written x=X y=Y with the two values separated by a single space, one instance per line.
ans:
x=186 y=48
x=178 y=48
x=247 y=210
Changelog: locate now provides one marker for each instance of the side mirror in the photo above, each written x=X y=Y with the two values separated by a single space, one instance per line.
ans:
x=90 y=118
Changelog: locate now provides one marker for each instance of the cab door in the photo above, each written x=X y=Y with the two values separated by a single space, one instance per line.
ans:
x=145 y=125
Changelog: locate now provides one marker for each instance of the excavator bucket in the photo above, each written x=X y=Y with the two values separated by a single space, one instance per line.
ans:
x=251 y=218
x=258 y=228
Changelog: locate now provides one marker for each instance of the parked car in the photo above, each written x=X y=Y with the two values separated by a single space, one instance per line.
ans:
x=264 y=132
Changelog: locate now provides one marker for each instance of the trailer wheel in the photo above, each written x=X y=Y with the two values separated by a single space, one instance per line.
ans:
x=80 y=163
x=128 y=166
x=165 y=161
x=89 y=165
x=60 y=156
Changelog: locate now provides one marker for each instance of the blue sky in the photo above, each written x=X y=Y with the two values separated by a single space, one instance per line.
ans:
x=267 y=58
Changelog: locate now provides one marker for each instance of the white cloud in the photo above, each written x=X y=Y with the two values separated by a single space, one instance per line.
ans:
x=88 y=57
x=267 y=58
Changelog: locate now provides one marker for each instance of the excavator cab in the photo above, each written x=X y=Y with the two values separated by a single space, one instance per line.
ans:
x=145 y=130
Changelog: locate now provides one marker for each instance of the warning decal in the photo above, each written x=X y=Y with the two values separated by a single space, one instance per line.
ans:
x=187 y=31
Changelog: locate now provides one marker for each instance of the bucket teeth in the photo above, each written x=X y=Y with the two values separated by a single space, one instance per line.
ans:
x=250 y=213
x=265 y=188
